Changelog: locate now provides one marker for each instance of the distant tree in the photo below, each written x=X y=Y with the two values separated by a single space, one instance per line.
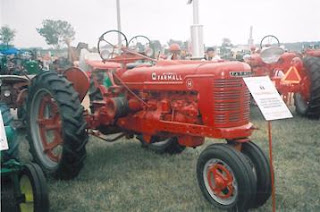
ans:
x=57 y=32
x=156 y=46
x=7 y=35
x=225 y=49
x=226 y=42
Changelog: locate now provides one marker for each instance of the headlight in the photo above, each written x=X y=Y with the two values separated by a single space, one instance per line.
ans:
x=7 y=93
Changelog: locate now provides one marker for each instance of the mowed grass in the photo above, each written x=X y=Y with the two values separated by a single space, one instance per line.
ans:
x=122 y=176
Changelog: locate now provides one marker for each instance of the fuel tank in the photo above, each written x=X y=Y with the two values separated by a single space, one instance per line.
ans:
x=182 y=75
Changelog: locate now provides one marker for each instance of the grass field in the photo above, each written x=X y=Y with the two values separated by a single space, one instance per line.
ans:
x=125 y=177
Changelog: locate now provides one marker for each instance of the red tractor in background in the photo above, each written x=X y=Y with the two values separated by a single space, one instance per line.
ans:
x=167 y=105
x=292 y=73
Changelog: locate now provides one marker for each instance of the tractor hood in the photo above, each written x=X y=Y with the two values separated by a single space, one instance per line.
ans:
x=176 y=72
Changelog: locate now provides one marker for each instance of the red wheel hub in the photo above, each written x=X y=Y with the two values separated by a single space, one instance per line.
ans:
x=50 y=127
x=220 y=181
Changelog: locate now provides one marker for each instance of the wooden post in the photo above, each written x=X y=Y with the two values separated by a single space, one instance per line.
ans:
x=271 y=168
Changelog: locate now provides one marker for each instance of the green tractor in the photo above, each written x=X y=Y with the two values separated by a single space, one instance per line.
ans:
x=23 y=186
x=19 y=62
x=17 y=68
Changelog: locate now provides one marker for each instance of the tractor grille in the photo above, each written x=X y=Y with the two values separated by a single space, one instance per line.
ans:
x=231 y=102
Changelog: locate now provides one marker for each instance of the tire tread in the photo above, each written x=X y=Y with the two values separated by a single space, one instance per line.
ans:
x=74 y=126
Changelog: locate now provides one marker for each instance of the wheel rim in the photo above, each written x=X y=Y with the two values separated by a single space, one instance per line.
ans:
x=26 y=189
x=220 y=182
x=46 y=128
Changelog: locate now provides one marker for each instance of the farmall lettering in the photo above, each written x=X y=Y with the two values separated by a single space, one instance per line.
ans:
x=166 y=77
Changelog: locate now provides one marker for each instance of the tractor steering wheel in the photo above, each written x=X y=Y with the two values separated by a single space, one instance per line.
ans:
x=110 y=44
x=141 y=44
x=269 y=40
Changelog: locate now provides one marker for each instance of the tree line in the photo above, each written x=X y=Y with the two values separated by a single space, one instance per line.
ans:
x=55 y=33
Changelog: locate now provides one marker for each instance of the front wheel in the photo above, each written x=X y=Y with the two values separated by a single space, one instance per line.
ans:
x=56 y=129
x=226 y=178
x=33 y=187
x=261 y=167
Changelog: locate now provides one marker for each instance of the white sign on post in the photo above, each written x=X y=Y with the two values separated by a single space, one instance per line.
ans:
x=3 y=137
x=267 y=98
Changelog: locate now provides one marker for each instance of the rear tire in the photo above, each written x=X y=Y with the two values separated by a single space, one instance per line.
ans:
x=56 y=129
x=310 y=109
x=169 y=145
x=33 y=186
x=226 y=178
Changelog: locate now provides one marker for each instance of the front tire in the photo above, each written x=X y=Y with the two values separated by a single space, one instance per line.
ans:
x=56 y=129
x=226 y=178
x=33 y=186
x=261 y=167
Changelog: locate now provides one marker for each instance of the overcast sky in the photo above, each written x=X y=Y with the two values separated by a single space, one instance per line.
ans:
x=289 y=20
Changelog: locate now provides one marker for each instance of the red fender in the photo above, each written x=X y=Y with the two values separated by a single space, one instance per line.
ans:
x=313 y=52
x=80 y=80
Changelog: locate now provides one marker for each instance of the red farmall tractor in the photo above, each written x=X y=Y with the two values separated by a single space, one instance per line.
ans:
x=167 y=105
x=292 y=73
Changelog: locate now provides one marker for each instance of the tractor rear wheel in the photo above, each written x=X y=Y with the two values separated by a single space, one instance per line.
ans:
x=56 y=129
x=226 y=178
x=33 y=187
x=169 y=145
x=311 y=108
x=261 y=169
x=13 y=143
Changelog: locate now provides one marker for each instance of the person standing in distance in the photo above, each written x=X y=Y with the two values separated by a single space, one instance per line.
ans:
x=174 y=50
x=212 y=55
